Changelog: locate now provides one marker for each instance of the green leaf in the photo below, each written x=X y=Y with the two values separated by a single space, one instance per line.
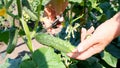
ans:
x=26 y=57
x=46 y=58
x=73 y=65
x=45 y=2
x=1 y=6
x=4 y=36
x=112 y=49
x=91 y=62
x=35 y=3
x=94 y=3
x=27 y=64
x=25 y=3
x=9 y=3
x=78 y=1
x=105 y=6
x=11 y=63
x=108 y=58
x=119 y=4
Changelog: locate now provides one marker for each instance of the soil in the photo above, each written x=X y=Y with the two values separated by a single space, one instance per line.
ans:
x=20 y=50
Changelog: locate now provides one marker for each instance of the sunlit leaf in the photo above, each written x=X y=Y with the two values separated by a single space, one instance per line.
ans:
x=46 y=58
x=45 y=2
x=108 y=58
x=77 y=1
x=11 y=63
x=26 y=57
x=27 y=64
x=114 y=50
x=91 y=62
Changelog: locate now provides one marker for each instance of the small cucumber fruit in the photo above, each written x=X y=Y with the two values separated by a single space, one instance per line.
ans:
x=13 y=34
x=54 y=42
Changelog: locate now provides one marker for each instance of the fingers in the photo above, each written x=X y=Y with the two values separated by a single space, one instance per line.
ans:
x=91 y=30
x=87 y=53
x=83 y=34
x=84 y=45
x=88 y=42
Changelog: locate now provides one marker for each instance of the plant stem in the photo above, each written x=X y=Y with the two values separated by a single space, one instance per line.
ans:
x=9 y=4
x=12 y=15
x=27 y=32
x=5 y=2
x=71 y=13
x=19 y=8
x=25 y=26
x=85 y=11
x=119 y=5
x=76 y=18
x=37 y=22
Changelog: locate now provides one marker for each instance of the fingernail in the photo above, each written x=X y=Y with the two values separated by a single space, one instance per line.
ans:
x=82 y=28
x=92 y=28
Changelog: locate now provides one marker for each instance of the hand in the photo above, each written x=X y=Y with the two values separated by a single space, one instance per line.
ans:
x=51 y=12
x=101 y=37
x=86 y=33
x=52 y=29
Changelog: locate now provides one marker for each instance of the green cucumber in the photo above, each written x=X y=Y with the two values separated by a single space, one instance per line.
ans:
x=54 y=42
x=12 y=40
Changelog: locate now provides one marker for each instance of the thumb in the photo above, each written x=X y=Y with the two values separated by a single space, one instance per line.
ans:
x=87 y=43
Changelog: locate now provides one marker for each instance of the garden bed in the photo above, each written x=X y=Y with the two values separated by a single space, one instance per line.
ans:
x=20 y=50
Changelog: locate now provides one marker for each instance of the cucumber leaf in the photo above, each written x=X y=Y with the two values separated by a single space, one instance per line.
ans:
x=4 y=36
x=46 y=58
x=11 y=63
x=108 y=58
x=45 y=2
x=77 y=1
x=27 y=64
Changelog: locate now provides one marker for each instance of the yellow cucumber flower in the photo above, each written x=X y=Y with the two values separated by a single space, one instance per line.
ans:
x=3 y=12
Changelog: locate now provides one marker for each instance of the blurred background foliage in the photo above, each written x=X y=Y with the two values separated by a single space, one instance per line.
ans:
x=78 y=14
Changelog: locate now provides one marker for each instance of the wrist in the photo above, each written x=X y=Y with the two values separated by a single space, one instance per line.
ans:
x=116 y=18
